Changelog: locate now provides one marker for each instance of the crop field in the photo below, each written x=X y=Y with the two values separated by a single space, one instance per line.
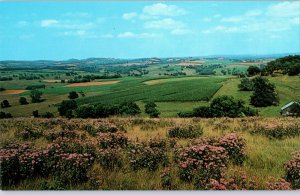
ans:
x=149 y=154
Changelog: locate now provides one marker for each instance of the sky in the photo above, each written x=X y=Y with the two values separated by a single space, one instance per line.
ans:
x=65 y=30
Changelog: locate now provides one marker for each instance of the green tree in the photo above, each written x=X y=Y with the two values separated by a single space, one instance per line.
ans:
x=35 y=113
x=73 y=95
x=23 y=101
x=246 y=84
x=66 y=108
x=5 y=115
x=129 y=108
x=36 y=96
x=5 y=104
x=253 y=70
x=264 y=93
x=226 y=106
x=151 y=110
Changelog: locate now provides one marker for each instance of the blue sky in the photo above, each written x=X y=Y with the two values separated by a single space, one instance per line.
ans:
x=64 y=30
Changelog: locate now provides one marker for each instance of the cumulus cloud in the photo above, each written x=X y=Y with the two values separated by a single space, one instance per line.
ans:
x=160 y=9
x=129 y=16
x=284 y=9
x=136 y=35
x=49 y=23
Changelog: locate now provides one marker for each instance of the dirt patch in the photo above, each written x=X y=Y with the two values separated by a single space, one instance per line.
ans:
x=91 y=83
x=12 y=92
x=52 y=81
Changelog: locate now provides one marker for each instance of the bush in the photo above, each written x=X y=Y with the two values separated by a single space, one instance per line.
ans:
x=66 y=107
x=202 y=111
x=142 y=156
x=103 y=127
x=277 y=131
x=253 y=70
x=73 y=95
x=188 y=131
x=278 y=184
x=5 y=104
x=165 y=179
x=150 y=109
x=112 y=140
x=235 y=147
x=5 y=115
x=206 y=161
x=246 y=85
x=23 y=101
x=110 y=158
x=129 y=108
x=35 y=113
x=47 y=115
x=36 y=96
x=29 y=133
x=292 y=170
x=34 y=87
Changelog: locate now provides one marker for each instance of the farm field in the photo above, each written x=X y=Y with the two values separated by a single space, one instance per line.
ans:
x=108 y=151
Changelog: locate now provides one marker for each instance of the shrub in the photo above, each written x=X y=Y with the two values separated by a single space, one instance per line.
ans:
x=5 y=115
x=65 y=108
x=188 y=131
x=112 y=140
x=29 y=133
x=35 y=113
x=47 y=115
x=142 y=156
x=73 y=95
x=129 y=108
x=5 y=104
x=150 y=108
x=277 y=131
x=36 y=96
x=235 y=147
x=278 y=184
x=292 y=170
x=103 y=127
x=23 y=101
x=110 y=158
x=34 y=87
x=165 y=179
x=205 y=160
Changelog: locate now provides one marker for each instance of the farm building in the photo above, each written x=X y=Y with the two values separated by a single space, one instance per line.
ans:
x=290 y=109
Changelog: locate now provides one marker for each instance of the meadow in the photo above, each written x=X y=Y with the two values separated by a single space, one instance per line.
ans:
x=146 y=154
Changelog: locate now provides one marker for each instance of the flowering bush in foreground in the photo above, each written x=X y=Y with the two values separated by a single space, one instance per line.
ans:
x=292 y=170
x=205 y=160
x=110 y=158
x=277 y=131
x=278 y=184
x=235 y=146
x=112 y=140
x=103 y=127
x=165 y=179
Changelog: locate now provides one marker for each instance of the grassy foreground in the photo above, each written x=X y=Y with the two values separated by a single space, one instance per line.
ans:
x=112 y=167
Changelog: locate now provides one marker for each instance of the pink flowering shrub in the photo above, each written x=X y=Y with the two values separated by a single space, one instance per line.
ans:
x=277 y=131
x=157 y=143
x=72 y=167
x=204 y=160
x=110 y=158
x=29 y=133
x=292 y=170
x=142 y=156
x=112 y=140
x=235 y=147
x=278 y=184
x=165 y=179
x=103 y=127
x=54 y=134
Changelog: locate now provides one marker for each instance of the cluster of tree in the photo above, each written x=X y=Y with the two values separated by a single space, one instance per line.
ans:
x=30 y=77
x=5 y=115
x=68 y=108
x=206 y=69
x=36 y=114
x=254 y=70
x=223 y=106
x=264 y=93
x=9 y=78
x=23 y=101
x=287 y=65
x=73 y=95
x=151 y=110
x=88 y=78
x=2 y=89
x=5 y=104
x=36 y=96
x=128 y=70
x=33 y=87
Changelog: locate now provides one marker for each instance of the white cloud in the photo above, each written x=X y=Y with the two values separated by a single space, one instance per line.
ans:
x=233 y=19
x=48 y=23
x=129 y=16
x=255 y=12
x=136 y=35
x=160 y=9
x=207 y=19
x=67 y=24
x=77 y=14
x=181 y=31
x=284 y=9
x=167 y=23
x=217 y=16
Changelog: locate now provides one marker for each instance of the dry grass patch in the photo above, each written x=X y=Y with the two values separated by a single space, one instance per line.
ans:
x=12 y=92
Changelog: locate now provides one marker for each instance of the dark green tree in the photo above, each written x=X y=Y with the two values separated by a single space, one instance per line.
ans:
x=66 y=108
x=246 y=84
x=264 y=93
x=36 y=96
x=129 y=108
x=5 y=104
x=23 y=101
x=226 y=106
x=253 y=70
x=151 y=110
x=73 y=95
x=35 y=113
x=5 y=115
